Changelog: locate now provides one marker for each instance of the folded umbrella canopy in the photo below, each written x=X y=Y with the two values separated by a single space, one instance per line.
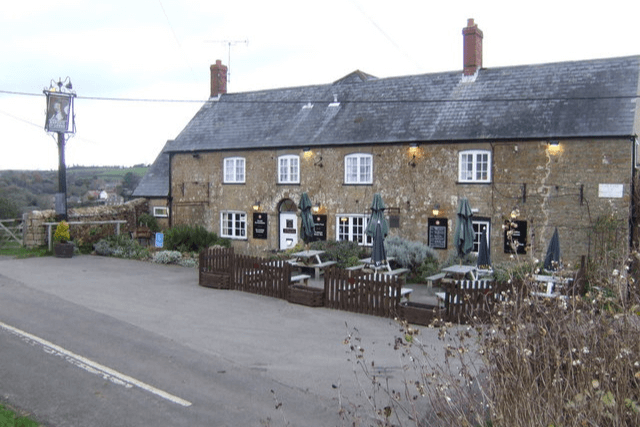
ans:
x=463 y=237
x=378 y=228
x=307 y=232
x=552 y=260
x=484 y=256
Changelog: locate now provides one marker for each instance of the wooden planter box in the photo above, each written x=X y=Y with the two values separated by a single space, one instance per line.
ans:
x=418 y=313
x=312 y=297
x=214 y=280
x=63 y=250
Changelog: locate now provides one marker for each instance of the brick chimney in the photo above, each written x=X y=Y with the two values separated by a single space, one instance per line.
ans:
x=218 y=79
x=472 y=48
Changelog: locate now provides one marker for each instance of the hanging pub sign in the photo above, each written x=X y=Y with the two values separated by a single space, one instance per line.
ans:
x=320 y=227
x=260 y=223
x=59 y=112
x=519 y=238
x=437 y=232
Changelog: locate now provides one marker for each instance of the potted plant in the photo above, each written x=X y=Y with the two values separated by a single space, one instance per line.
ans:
x=62 y=248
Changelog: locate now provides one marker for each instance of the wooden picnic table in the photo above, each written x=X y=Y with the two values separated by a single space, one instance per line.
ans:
x=310 y=259
x=460 y=271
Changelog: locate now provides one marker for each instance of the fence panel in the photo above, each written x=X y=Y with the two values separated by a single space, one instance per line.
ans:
x=261 y=276
x=366 y=293
x=216 y=268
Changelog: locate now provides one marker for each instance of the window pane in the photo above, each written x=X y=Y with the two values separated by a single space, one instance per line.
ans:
x=365 y=169
x=352 y=169
x=294 y=167
x=283 y=170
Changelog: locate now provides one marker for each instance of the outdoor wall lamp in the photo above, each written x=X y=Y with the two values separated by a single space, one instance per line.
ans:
x=436 y=209
x=316 y=208
x=256 y=206
x=554 y=146
x=306 y=149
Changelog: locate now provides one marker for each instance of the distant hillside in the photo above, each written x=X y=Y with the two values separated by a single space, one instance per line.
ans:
x=35 y=190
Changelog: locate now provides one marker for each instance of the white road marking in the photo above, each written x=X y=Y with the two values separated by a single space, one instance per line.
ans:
x=94 y=367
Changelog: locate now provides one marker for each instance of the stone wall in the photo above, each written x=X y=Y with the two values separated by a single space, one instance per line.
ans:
x=551 y=186
x=35 y=232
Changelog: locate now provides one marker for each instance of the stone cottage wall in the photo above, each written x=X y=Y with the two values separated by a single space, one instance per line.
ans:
x=568 y=186
x=35 y=232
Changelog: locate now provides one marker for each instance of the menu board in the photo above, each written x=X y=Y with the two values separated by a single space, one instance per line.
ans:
x=438 y=230
x=320 y=229
x=260 y=225
x=519 y=238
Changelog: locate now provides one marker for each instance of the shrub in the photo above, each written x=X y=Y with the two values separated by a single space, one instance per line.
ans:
x=185 y=238
x=345 y=253
x=149 y=221
x=167 y=257
x=121 y=246
x=421 y=259
x=62 y=232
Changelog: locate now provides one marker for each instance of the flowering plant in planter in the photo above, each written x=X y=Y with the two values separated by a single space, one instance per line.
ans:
x=63 y=247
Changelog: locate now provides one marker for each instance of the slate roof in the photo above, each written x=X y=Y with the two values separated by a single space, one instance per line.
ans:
x=591 y=98
x=155 y=183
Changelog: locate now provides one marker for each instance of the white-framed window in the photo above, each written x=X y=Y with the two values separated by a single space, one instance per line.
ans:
x=358 y=169
x=474 y=166
x=234 y=170
x=353 y=227
x=161 y=211
x=289 y=169
x=233 y=225
x=480 y=225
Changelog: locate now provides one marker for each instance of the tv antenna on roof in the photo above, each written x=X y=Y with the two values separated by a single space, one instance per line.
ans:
x=229 y=43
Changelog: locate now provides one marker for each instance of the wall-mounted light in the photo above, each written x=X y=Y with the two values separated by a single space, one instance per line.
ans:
x=554 y=146
x=436 y=209
x=413 y=145
x=256 y=205
x=344 y=219
x=515 y=213
x=315 y=208
x=306 y=149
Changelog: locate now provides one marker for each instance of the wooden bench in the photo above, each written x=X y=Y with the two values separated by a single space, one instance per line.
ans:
x=397 y=271
x=301 y=278
x=435 y=279
x=318 y=267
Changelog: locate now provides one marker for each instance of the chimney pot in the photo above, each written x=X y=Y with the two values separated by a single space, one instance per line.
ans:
x=218 y=79
x=472 y=38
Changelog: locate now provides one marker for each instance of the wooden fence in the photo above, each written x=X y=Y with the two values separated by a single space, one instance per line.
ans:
x=472 y=299
x=11 y=232
x=359 y=292
x=373 y=294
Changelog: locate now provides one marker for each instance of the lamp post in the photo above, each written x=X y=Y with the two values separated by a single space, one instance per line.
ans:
x=60 y=120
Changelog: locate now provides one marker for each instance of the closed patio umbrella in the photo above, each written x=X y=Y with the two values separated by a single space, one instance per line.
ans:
x=463 y=237
x=307 y=232
x=552 y=260
x=484 y=256
x=378 y=228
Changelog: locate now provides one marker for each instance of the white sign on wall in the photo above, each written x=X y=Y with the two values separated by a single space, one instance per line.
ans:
x=610 y=191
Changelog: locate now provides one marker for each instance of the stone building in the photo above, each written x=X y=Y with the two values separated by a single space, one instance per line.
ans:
x=554 y=143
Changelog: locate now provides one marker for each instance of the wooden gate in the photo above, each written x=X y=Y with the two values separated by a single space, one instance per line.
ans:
x=11 y=232
x=260 y=276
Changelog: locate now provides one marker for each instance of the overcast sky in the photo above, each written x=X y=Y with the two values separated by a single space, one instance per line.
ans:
x=162 y=50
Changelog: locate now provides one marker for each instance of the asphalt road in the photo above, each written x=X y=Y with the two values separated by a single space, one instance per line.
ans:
x=97 y=341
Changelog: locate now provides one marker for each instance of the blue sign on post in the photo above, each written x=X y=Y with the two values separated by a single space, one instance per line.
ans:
x=159 y=240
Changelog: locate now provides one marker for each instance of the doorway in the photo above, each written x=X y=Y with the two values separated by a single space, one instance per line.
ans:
x=288 y=221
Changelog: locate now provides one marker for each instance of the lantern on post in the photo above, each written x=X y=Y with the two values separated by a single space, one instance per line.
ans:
x=60 y=120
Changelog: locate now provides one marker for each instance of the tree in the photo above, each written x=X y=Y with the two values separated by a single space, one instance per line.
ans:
x=8 y=209
x=129 y=183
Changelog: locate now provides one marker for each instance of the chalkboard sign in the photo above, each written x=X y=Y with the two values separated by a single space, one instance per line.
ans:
x=260 y=223
x=320 y=229
x=519 y=237
x=438 y=230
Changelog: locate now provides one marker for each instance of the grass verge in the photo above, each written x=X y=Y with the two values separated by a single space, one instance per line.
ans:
x=22 y=252
x=9 y=418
